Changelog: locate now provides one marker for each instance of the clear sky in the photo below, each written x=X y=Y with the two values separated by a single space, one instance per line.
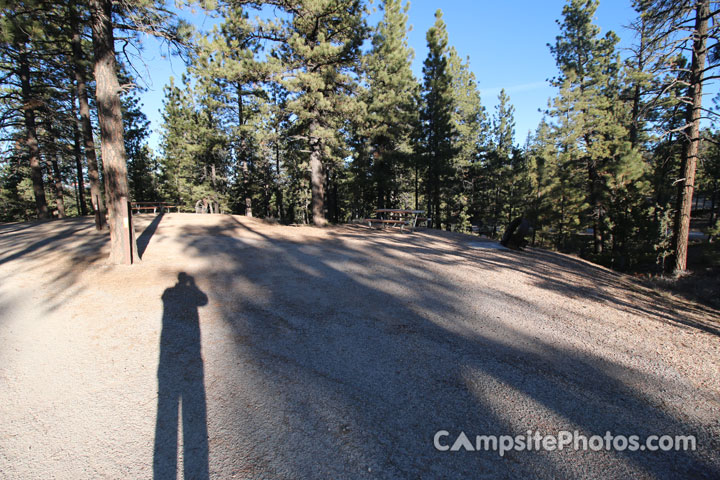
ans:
x=506 y=43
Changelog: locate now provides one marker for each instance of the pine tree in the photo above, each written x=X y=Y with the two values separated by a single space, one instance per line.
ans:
x=499 y=166
x=147 y=17
x=22 y=42
x=195 y=158
x=318 y=45
x=391 y=100
x=470 y=123
x=668 y=22
x=140 y=164
x=437 y=132
x=80 y=67
x=542 y=165
x=590 y=115
x=229 y=74
x=123 y=248
x=175 y=159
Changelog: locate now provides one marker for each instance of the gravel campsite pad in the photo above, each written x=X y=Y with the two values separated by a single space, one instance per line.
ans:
x=241 y=349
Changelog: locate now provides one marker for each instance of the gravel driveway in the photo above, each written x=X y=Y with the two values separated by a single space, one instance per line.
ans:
x=240 y=349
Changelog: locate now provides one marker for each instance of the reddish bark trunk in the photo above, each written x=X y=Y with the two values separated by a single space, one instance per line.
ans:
x=77 y=153
x=96 y=199
x=317 y=180
x=29 y=105
x=123 y=246
x=57 y=183
x=690 y=152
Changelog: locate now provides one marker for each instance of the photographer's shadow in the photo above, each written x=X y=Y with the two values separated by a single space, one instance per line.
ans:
x=181 y=388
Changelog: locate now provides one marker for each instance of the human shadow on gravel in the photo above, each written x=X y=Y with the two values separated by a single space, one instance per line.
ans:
x=181 y=385
x=349 y=359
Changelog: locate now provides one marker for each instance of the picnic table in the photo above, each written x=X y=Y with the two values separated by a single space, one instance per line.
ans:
x=397 y=217
x=154 y=206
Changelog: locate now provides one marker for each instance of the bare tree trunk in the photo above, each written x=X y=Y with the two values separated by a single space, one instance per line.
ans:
x=712 y=203
x=634 y=130
x=594 y=189
x=246 y=188
x=77 y=198
x=317 y=175
x=561 y=234
x=29 y=105
x=436 y=201
x=278 y=193
x=496 y=211
x=96 y=199
x=77 y=153
x=241 y=154
x=123 y=247
x=417 y=187
x=681 y=231
x=57 y=183
x=317 y=179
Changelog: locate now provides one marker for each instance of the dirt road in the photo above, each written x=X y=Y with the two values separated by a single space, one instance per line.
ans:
x=239 y=349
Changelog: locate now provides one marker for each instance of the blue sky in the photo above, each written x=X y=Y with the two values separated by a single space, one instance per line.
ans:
x=506 y=43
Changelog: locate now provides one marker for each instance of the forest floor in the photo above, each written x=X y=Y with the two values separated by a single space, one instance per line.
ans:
x=242 y=349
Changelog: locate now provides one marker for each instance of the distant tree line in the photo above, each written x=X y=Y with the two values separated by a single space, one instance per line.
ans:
x=310 y=115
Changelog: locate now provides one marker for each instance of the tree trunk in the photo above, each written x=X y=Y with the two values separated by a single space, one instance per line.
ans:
x=317 y=179
x=246 y=188
x=380 y=175
x=712 y=203
x=681 y=231
x=96 y=199
x=634 y=130
x=436 y=201
x=241 y=154
x=417 y=186
x=57 y=183
x=336 y=207
x=561 y=233
x=431 y=214
x=496 y=211
x=123 y=247
x=317 y=176
x=77 y=198
x=594 y=189
x=77 y=153
x=279 y=193
x=29 y=105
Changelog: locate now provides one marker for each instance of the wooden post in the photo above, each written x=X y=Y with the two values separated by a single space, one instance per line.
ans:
x=126 y=215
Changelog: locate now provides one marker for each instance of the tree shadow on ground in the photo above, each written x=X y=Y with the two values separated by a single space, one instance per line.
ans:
x=181 y=385
x=563 y=274
x=359 y=357
x=62 y=249
x=144 y=238
x=19 y=244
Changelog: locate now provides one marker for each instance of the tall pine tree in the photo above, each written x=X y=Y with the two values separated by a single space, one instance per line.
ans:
x=391 y=103
x=437 y=131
